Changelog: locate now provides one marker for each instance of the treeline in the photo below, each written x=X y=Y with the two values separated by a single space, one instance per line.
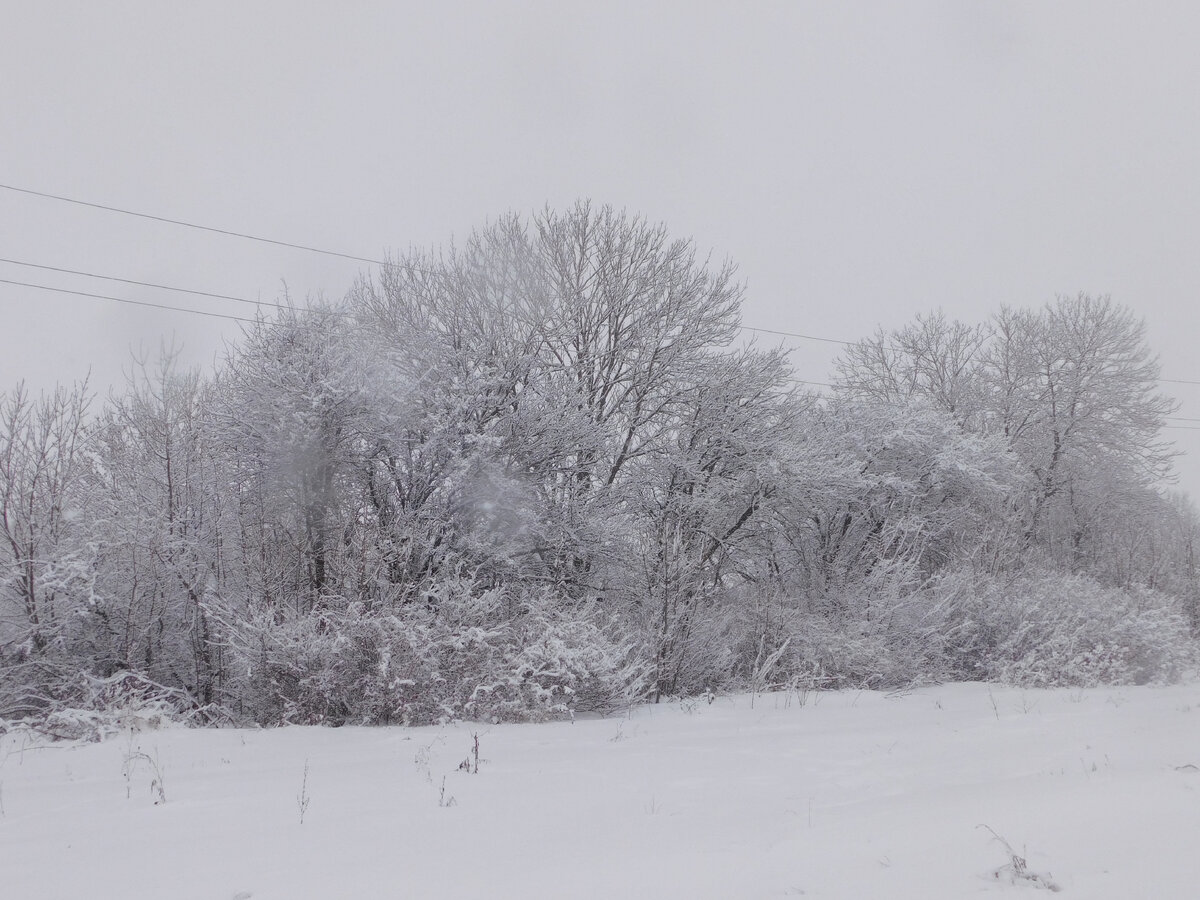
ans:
x=535 y=473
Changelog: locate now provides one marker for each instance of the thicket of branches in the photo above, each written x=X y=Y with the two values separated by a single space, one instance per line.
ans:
x=533 y=474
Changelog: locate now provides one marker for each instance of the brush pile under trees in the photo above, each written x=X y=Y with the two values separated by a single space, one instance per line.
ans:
x=535 y=474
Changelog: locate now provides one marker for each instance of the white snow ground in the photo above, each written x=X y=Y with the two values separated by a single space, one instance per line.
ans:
x=849 y=795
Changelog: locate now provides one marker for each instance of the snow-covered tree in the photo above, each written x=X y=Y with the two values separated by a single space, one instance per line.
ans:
x=45 y=565
x=156 y=497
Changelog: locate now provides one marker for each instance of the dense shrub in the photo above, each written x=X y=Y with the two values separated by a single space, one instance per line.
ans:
x=87 y=708
x=463 y=654
x=1039 y=629
x=1070 y=630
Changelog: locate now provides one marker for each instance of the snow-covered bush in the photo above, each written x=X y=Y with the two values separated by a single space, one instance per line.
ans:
x=88 y=708
x=1071 y=630
x=836 y=651
x=1044 y=628
x=468 y=652
x=835 y=645
x=1035 y=629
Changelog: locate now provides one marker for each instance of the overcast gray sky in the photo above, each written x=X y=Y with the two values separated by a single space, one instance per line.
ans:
x=861 y=162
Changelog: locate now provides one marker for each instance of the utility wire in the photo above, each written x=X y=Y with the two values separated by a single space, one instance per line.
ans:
x=180 y=222
x=365 y=259
x=281 y=306
x=149 y=284
x=806 y=337
x=182 y=290
x=197 y=312
x=216 y=315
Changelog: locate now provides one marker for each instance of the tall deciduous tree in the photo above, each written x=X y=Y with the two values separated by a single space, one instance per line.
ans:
x=1074 y=387
x=934 y=359
x=44 y=565
x=157 y=496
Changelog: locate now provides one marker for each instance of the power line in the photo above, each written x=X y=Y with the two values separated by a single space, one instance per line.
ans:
x=198 y=293
x=337 y=253
x=183 y=309
x=215 y=296
x=281 y=306
x=180 y=222
x=216 y=315
x=806 y=337
x=149 y=284
x=284 y=307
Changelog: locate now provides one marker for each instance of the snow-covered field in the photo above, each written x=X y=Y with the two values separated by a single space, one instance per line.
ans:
x=847 y=794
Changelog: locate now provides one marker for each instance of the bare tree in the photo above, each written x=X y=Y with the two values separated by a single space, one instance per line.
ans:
x=702 y=506
x=573 y=341
x=44 y=569
x=1074 y=387
x=934 y=359
x=159 y=495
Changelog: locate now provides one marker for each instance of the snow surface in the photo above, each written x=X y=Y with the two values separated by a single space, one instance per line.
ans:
x=843 y=794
